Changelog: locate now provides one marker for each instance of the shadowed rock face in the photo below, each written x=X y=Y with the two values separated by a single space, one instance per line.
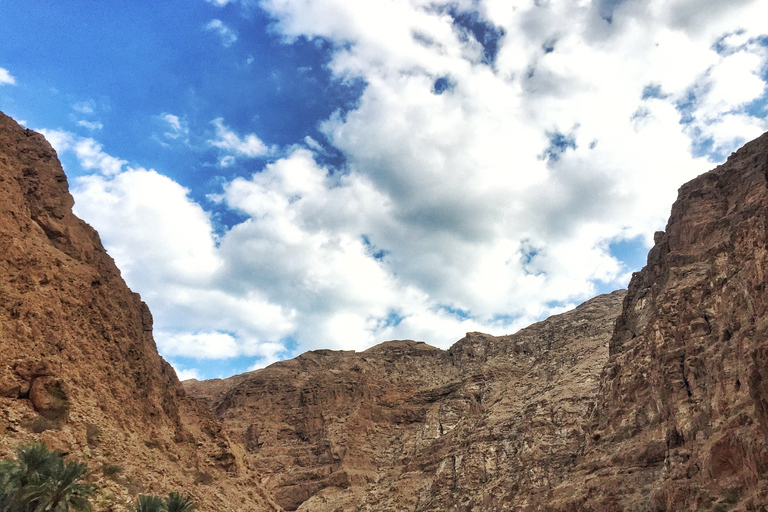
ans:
x=681 y=420
x=79 y=368
x=491 y=424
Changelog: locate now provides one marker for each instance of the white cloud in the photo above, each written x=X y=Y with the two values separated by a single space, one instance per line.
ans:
x=91 y=125
x=92 y=157
x=177 y=128
x=227 y=35
x=219 y=3
x=205 y=345
x=188 y=373
x=85 y=107
x=89 y=153
x=59 y=139
x=6 y=78
x=483 y=188
x=249 y=146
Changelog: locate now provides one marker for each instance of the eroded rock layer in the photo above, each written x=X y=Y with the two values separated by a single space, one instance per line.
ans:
x=491 y=424
x=79 y=368
x=682 y=416
x=650 y=400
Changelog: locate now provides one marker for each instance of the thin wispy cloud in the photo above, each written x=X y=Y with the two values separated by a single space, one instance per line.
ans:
x=177 y=129
x=90 y=125
x=226 y=34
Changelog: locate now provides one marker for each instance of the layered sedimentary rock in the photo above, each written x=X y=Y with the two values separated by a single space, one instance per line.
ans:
x=682 y=417
x=79 y=369
x=491 y=424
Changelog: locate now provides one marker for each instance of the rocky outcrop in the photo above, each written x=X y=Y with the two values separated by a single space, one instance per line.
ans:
x=682 y=417
x=668 y=412
x=79 y=369
x=491 y=424
x=649 y=400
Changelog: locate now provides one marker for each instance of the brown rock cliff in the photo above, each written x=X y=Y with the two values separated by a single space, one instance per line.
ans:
x=664 y=409
x=491 y=424
x=79 y=369
x=681 y=420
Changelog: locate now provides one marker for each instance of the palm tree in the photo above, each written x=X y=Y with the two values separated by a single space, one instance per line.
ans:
x=56 y=488
x=175 y=502
x=41 y=481
x=150 y=504
x=7 y=484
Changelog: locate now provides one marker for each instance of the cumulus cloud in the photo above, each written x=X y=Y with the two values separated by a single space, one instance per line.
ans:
x=6 y=78
x=187 y=373
x=496 y=153
x=228 y=36
x=514 y=142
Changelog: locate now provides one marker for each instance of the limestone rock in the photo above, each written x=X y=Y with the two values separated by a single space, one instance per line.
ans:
x=681 y=421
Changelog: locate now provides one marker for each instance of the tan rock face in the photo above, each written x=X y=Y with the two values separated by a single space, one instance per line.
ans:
x=681 y=421
x=78 y=366
x=675 y=419
x=653 y=400
x=492 y=424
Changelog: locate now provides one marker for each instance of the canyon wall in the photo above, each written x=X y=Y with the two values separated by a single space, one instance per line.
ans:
x=652 y=399
x=79 y=369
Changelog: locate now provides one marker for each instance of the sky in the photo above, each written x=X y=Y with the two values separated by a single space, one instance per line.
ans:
x=276 y=176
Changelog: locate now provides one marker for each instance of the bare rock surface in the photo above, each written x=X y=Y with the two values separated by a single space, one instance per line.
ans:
x=681 y=422
x=654 y=399
x=79 y=369
x=666 y=412
x=491 y=424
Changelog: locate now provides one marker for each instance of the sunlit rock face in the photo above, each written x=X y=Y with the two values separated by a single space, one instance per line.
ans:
x=653 y=401
x=79 y=369
x=491 y=424
x=682 y=417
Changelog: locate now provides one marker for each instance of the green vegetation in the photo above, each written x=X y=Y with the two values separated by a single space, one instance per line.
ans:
x=150 y=504
x=175 y=502
x=93 y=435
x=110 y=470
x=40 y=480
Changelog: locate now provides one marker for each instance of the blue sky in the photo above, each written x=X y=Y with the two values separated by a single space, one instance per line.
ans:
x=275 y=176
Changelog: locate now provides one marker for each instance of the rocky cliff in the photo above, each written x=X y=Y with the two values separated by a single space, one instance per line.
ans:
x=681 y=421
x=491 y=424
x=79 y=369
x=650 y=400
x=666 y=412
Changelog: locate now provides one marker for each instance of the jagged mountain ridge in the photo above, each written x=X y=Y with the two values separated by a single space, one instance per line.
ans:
x=80 y=370
x=679 y=419
x=666 y=411
x=406 y=426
